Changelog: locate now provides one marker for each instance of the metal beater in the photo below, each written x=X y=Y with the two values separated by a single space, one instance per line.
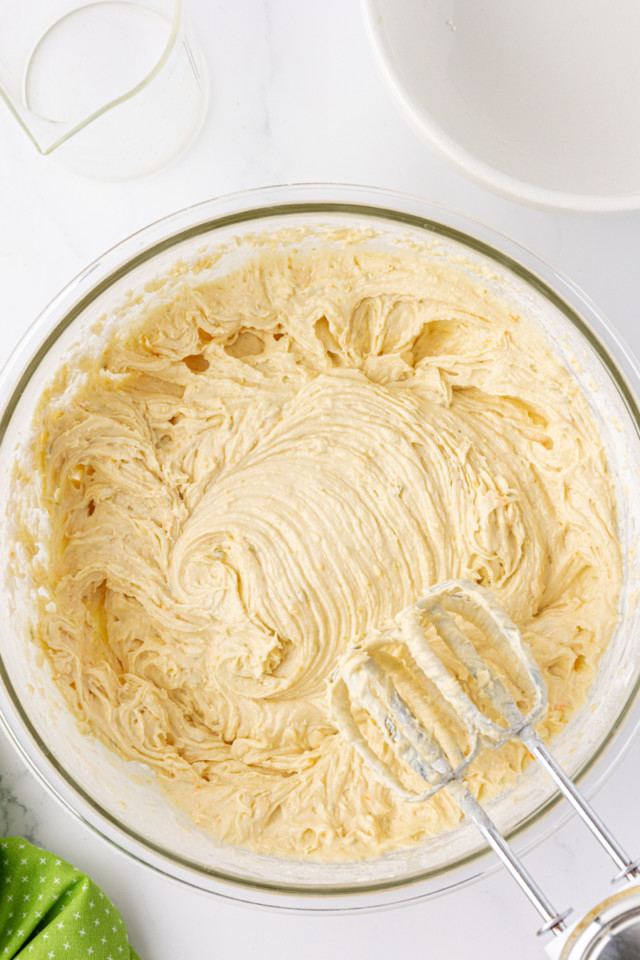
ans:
x=438 y=735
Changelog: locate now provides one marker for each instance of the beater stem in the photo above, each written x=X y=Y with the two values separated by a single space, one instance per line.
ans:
x=553 y=920
x=627 y=867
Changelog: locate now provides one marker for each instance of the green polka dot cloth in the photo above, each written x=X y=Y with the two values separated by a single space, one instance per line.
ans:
x=51 y=911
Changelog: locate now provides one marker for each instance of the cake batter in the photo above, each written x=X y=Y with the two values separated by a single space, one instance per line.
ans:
x=262 y=467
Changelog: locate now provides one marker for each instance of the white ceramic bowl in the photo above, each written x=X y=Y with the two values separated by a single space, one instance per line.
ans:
x=121 y=801
x=537 y=101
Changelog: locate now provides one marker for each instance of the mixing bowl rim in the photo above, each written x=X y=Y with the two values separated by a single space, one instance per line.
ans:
x=80 y=292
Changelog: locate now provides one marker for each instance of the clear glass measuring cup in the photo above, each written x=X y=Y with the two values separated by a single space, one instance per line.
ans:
x=116 y=87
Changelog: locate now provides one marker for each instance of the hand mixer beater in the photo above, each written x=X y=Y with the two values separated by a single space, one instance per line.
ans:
x=419 y=700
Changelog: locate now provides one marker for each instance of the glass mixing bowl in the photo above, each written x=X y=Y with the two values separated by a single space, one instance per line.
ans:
x=120 y=800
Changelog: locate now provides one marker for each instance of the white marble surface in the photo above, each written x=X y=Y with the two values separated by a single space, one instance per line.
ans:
x=295 y=96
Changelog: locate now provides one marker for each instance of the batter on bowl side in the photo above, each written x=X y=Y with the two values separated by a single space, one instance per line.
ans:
x=261 y=467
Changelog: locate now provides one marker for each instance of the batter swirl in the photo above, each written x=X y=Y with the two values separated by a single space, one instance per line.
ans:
x=265 y=466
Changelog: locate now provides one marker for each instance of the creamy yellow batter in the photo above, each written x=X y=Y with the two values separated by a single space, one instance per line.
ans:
x=265 y=466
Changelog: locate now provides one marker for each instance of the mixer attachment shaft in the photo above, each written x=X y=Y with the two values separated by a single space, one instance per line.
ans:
x=449 y=677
